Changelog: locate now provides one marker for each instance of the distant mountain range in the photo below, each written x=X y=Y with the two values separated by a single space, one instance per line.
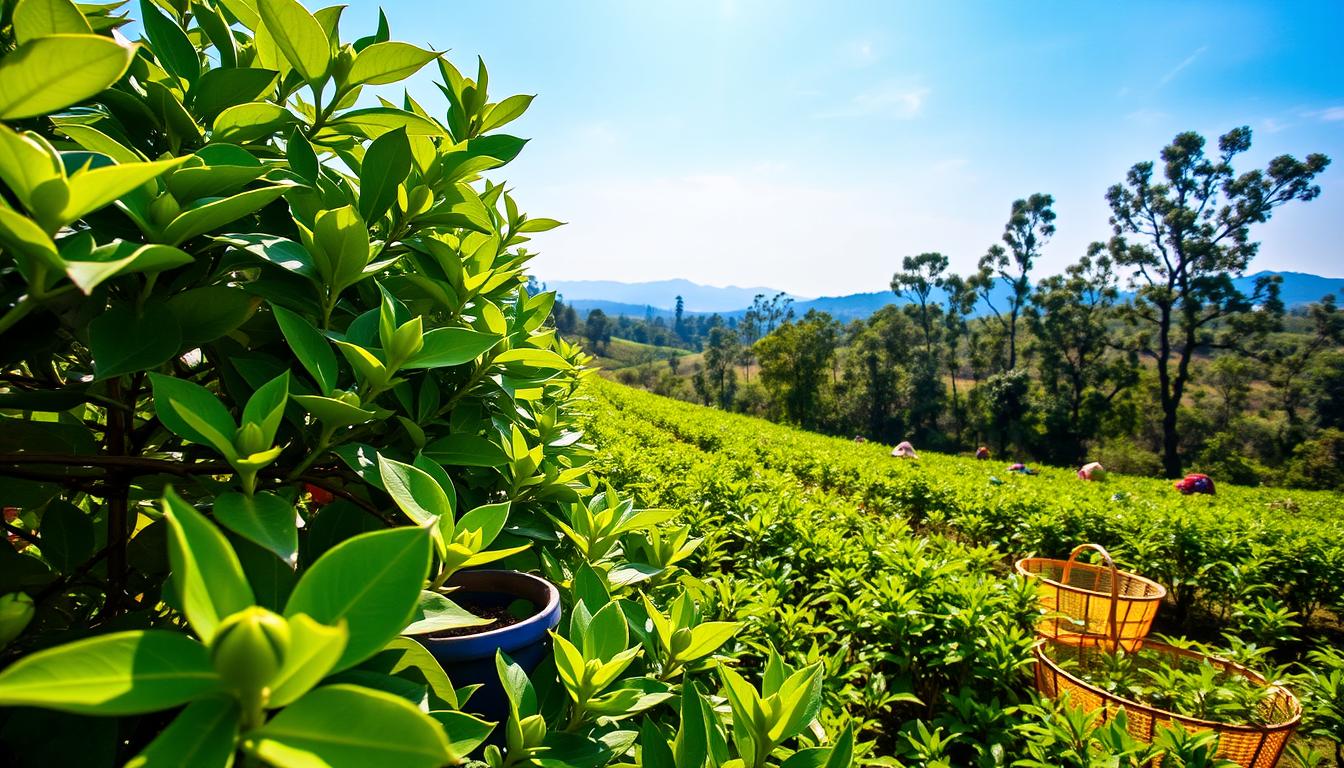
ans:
x=658 y=298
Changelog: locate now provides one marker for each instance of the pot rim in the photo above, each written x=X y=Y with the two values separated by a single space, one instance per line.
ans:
x=499 y=636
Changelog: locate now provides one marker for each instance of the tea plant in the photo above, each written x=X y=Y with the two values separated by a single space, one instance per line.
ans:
x=270 y=376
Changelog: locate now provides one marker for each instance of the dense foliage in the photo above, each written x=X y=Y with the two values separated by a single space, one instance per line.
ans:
x=895 y=574
x=269 y=378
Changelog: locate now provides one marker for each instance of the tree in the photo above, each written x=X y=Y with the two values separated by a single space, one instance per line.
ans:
x=1080 y=372
x=1287 y=358
x=717 y=381
x=1184 y=237
x=959 y=302
x=598 y=329
x=1030 y=225
x=794 y=359
x=679 y=327
x=915 y=282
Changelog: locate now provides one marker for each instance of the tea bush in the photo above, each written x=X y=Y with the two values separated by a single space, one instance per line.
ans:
x=270 y=375
x=890 y=573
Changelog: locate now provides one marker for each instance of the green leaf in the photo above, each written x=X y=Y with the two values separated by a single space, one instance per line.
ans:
x=707 y=637
x=298 y=35
x=93 y=189
x=207 y=572
x=301 y=156
x=125 y=673
x=505 y=112
x=333 y=413
x=32 y=248
x=314 y=650
x=210 y=312
x=39 y=18
x=411 y=661
x=607 y=634
x=466 y=451
x=216 y=28
x=539 y=225
x=170 y=44
x=201 y=736
x=435 y=613
x=122 y=258
x=220 y=89
x=372 y=122
x=253 y=121
x=372 y=581
x=266 y=407
x=417 y=493
x=386 y=164
x=67 y=535
x=445 y=347
x=384 y=63
x=488 y=519
x=283 y=253
x=217 y=213
x=53 y=72
x=264 y=519
x=465 y=732
x=190 y=411
x=375 y=728
x=123 y=342
x=534 y=358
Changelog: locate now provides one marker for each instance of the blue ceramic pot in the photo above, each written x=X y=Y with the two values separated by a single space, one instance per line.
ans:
x=470 y=659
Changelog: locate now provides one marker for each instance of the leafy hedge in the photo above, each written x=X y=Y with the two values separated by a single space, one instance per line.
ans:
x=886 y=571
x=270 y=376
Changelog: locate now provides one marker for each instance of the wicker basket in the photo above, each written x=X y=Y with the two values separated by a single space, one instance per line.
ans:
x=1084 y=602
x=1251 y=746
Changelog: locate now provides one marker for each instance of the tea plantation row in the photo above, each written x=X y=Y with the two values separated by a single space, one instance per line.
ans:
x=895 y=574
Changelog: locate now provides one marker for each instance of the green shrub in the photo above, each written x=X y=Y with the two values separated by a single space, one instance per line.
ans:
x=269 y=376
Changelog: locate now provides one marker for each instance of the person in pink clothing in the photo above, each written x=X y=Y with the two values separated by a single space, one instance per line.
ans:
x=904 y=450
x=1092 y=471
x=1195 y=483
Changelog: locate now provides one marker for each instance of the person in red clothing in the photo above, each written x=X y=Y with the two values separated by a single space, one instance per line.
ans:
x=1195 y=483
x=982 y=453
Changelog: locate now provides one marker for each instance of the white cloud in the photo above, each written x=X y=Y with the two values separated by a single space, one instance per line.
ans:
x=894 y=101
x=1176 y=70
x=1329 y=114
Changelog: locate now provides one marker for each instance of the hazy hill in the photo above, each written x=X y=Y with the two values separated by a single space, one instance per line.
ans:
x=660 y=294
x=658 y=298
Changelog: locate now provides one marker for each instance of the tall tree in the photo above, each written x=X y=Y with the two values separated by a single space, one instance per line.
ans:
x=680 y=325
x=794 y=360
x=598 y=329
x=1030 y=225
x=1184 y=236
x=717 y=381
x=958 y=303
x=1287 y=358
x=916 y=281
x=1080 y=369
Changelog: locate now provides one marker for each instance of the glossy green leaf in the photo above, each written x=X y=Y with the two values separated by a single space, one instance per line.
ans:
x=302 y=159
x=505 y=112
x=444 y=347
x=208 y=575
x=201 y=736
x=283 y=253
x=298 y=35
x=487 y=519
x=216 y=28
x=122 y=258
x=334 y=413
x=466 y=451
x=93 y=189
x=376 y=728
x=435 y=613
x=124 y=673
x=388 y=62
x=372 y=122
x=56 y=71
x=371 y=581
x=39 y=18
x=310 y=347
x=170 y=44
x=266 y=407
x=123 y=342
x=314 y=650
x=264 y=519
x=414 y=490
x=220 y=89
x=217 y=213
x=192 y=412
x=211 y=311
x=386 y=164
x=252 y=121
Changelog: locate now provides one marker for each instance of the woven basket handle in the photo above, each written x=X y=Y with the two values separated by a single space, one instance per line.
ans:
x=1115 y=586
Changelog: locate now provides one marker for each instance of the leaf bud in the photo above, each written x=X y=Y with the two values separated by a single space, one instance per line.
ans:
x=249 y=648
x=16 y=610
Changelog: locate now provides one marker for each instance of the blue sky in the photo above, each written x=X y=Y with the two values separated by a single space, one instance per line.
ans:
x=809 y=146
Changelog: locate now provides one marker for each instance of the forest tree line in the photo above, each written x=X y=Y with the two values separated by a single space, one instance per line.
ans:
x=1181 y=372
